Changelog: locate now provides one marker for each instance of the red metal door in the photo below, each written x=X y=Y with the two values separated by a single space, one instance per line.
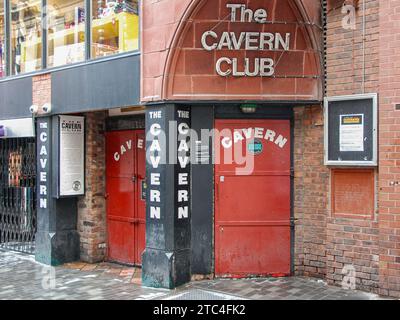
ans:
x=125 y=208
x=141 y=196
x=252 y=219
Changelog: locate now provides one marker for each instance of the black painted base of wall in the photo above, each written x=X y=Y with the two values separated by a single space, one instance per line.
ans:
x=168 y=270
x=55 y=249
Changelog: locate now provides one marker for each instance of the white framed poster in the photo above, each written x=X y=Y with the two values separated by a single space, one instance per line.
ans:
x=72 y=156
x=352 y=133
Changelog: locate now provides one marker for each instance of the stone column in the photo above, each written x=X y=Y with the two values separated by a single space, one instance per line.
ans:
x=57 y=239
x=166 y=260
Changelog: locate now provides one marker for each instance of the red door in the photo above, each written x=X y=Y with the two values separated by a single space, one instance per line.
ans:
x=125 y=204
x=252 y=219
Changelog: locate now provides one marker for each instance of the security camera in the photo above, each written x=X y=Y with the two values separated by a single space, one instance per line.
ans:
x=46 y=108
x=34 y=109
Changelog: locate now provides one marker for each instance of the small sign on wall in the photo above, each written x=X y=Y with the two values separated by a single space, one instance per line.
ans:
x=351 y=130
x=72 y=156
x=352 y=133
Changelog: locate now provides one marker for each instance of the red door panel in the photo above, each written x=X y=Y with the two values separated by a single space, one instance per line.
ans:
x=125 y=154
x=140 y=199
x=249 y=198
x=121 y=195
x=253 y=250
x=121 y=247
x=252 y=220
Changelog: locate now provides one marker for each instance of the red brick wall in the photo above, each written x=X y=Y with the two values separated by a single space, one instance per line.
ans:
x=310 y=192
x=345 y=51
x=389 y=149
x=92 y=208
x=41 y=90
x=325 y=244
x=168 y=73
x=353 y=242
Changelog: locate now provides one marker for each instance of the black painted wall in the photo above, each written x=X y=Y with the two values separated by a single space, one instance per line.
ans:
x=97 y=86
x=202 y=198
x=15 y=98
x=126 y=123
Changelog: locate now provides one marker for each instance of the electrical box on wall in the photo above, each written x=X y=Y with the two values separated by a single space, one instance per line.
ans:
x=351 y=130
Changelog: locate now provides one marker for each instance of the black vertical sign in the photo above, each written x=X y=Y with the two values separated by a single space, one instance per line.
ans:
x=166 y=260
x=44 y=164
x=156 y=177
x=44 y=196
x=182 y=178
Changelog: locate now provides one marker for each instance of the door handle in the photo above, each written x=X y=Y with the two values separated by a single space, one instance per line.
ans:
x=134 y=179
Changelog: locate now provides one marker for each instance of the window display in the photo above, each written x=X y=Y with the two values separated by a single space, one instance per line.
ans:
x=115 y=27
x=26 y=36
x=66 y=32
x=2 y=36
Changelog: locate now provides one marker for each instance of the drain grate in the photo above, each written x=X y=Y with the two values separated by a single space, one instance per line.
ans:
x=196 y=294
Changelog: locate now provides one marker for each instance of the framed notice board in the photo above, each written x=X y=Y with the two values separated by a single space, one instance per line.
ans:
x=351 y=130
x=71 y=174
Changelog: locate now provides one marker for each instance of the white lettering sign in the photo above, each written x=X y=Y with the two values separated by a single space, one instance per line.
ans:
x=43 y=164
x=249 y=41
x=258 y=133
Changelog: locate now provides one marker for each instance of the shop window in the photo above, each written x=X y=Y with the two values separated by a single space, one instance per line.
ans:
x=66 y=32
x=26 y=36
x=2 y=41
x=115 y=27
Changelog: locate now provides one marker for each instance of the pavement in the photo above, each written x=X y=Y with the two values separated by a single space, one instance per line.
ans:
x=21 y=278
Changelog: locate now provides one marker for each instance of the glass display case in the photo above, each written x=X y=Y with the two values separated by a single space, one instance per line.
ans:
x=26 y=36
x=65 y=32
x=115 y=27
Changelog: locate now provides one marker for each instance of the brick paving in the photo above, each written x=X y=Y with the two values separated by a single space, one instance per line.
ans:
x=21 y=278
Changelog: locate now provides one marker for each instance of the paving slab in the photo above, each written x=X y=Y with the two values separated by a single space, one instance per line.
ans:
x=21 y=277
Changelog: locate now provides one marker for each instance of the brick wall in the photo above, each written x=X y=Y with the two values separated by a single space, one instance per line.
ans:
x=310 y=189
x=41 y=90
x=352 y=242
x=92 y=208
x=389 y=149
x=345 y=53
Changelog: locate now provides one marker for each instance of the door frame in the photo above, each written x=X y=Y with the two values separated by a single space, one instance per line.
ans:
x=136 y=189
x=287 y=114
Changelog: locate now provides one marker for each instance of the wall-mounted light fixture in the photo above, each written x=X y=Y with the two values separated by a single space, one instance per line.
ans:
x=249 y=108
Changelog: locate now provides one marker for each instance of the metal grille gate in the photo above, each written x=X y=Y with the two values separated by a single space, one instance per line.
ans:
x=18 y=194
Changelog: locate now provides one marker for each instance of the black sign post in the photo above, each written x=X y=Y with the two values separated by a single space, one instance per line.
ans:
x=57 y=238
x=166 y=259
